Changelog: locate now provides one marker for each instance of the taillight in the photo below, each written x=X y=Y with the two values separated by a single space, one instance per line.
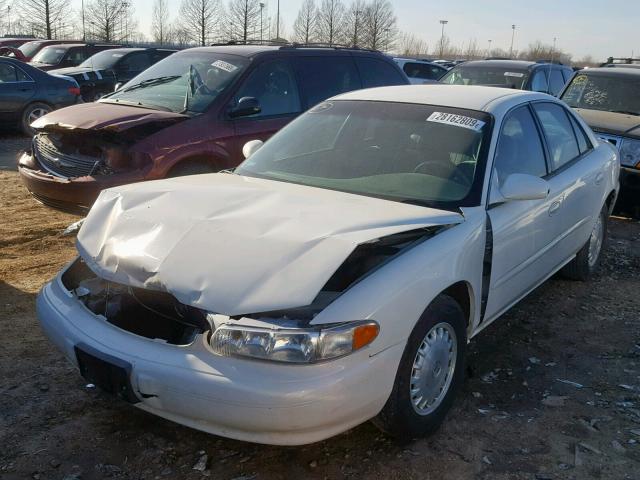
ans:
x=74 y=91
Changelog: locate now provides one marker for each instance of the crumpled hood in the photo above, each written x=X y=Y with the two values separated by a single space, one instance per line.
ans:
x=101 y=115
x=236 y=245
x=611 y=123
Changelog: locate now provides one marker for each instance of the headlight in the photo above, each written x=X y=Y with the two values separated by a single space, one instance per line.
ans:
x=293 y=345
x=630 y=152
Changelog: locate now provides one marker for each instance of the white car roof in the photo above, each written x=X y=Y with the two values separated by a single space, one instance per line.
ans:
x=488 y=99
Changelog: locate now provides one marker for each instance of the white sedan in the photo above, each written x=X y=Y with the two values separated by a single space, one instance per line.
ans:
x=337 y=275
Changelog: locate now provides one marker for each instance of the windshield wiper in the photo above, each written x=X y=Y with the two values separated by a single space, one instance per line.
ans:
x=627 y=112
x=151 y=81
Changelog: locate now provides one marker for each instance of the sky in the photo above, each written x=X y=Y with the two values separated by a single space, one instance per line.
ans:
x=582 y=27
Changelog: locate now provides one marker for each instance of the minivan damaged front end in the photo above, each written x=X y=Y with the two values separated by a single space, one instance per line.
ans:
x=226 y=352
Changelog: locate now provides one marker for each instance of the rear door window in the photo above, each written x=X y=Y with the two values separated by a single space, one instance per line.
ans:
x=273 y=84
x=135 y=62
x=323 y=77
x=422 y=70
x=584 y=144
x=8 y=73
x=377 y=73
x=557 y=129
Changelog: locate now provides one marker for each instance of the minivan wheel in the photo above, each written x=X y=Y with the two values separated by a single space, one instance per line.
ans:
x=30 y=114
x=191 y=167
x=587 y=261
x=430 y=373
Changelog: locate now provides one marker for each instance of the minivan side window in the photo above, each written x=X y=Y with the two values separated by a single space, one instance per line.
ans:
x=422 y=70
x=324 y=76
x=556 y=82
x=377 y=73
x=273 y=84
x=135 y=62
x=539 y=82
x=519 y=147
x=557 y=129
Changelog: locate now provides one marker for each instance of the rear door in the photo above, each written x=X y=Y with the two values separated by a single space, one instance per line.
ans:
x=273 y=84
x=16 y=89
x=576 y=179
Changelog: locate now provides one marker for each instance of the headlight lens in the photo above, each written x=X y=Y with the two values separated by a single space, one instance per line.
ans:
x=630 y=152
x=293 y=345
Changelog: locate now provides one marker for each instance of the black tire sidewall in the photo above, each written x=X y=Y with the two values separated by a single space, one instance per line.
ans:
x=25 y=126
x=398 y=417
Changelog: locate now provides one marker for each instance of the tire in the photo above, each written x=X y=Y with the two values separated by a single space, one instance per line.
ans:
x=191 y=167
x=402 y=419
x=585 y=264
x=30 y=114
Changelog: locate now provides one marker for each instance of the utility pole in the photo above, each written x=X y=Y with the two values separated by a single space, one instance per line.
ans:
x=489 y=50
x=9 y=18
x=278 y=22
x=261 y=8
x=513 y=35
x=443 y=23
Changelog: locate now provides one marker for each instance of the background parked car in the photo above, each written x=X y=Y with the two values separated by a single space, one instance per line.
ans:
x=608 y=99
x=191 y=113
x=518 y=74
x=421 y=71
x=28 y=50
x=14 y=42
x=27 y=93
x=63 y=56
x=100 y=73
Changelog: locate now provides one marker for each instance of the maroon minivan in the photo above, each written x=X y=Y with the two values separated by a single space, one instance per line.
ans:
x=190 y=113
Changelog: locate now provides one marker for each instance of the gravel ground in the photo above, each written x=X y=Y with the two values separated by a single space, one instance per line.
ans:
x=11 y=144
x=553 y=389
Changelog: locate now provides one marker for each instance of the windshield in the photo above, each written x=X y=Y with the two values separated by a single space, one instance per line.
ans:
x=29 y=48
x=188 y=81
x=497 y=76
x=422 y=154
x=103 y=60
x=50 y=55
x=609 y=93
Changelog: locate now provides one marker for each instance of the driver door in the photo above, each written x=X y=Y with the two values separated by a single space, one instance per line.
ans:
x=520 y=228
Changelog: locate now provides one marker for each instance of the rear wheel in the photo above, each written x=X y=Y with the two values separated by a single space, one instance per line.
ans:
x=430 y=373
x=30 y=114
x=587 y=261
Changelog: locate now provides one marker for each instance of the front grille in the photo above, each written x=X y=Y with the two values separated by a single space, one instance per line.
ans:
x=61 y=164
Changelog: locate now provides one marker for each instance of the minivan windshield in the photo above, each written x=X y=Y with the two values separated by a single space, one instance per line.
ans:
x=484 y=75
x=184 y=82
x=29 y=48
x=422 y=154
x=611 y=93
x=49 y=55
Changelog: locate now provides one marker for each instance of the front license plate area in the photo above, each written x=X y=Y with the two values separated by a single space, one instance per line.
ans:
x=108 y=373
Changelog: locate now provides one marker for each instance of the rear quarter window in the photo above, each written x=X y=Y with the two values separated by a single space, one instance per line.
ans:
x=378 y=73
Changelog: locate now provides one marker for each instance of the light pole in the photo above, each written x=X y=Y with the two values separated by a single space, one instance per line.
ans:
x=84 y=32
x=443 y=23
x=489 y=50
x=261 y=8
x=125 y=7
x=513 y=35
x=9 y=17
x=278 y=22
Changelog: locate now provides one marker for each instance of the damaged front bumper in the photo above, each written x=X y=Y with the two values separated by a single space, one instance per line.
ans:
x=241 y=399
x=72 y=195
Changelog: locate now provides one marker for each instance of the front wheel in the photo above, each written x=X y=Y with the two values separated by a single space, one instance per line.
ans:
x=587 y=261
x=430 y=373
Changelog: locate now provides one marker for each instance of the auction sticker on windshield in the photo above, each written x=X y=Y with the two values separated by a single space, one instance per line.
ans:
x=456 y=120
x=222 y=65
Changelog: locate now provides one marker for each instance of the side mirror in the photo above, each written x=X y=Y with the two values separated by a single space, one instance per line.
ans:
x=251 y=147
x=520 y=186
x=246 y=106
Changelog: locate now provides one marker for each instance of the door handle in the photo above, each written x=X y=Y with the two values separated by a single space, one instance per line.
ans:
x=555 y=206
x=599 y=178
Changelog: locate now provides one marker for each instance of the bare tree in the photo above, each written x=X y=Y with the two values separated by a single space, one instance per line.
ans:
x=160 y=23
x=305 y=24
x=540 y=51
x=410 y=45
x=200 y=19
x=380 y=29
x=330 y=23
x=45 y=18
x=244 y=18
x=110 y=20
x=354 y=24
x=472 y=51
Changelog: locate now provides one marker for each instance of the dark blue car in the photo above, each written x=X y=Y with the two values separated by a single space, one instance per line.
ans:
x=27 y=93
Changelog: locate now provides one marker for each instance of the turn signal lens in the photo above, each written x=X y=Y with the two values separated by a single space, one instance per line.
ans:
x=364 y=335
